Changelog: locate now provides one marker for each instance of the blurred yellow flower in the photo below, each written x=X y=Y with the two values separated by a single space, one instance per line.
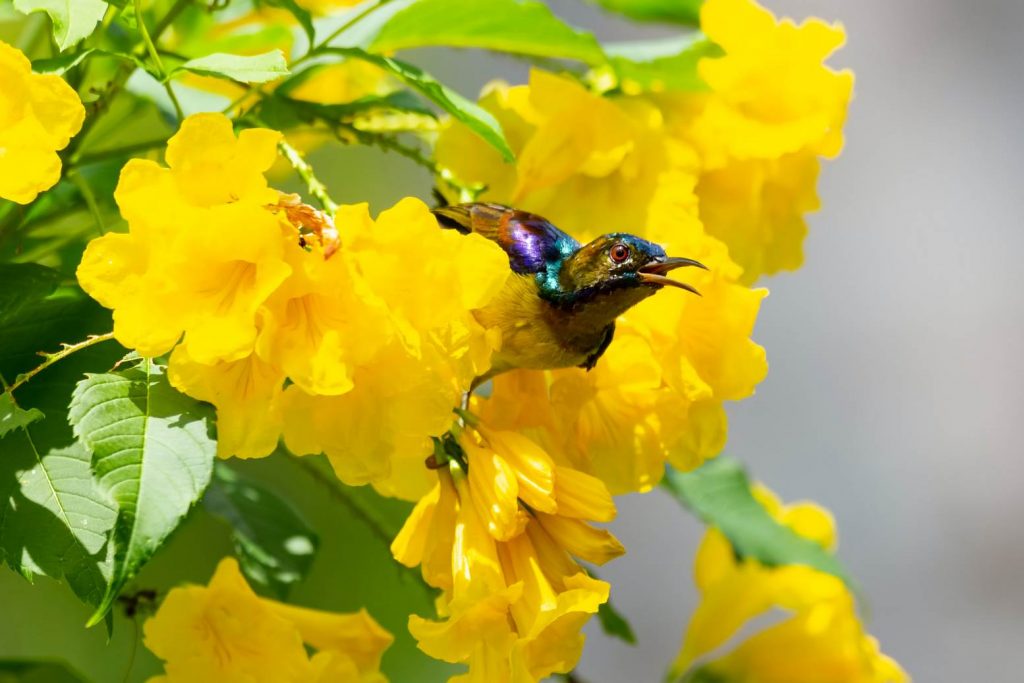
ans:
x=39 y=114
x=822 y=642
x=224 y=633
x=500 y=542
x=323 y=7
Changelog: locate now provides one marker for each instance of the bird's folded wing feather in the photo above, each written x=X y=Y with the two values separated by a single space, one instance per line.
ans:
x=530 y=241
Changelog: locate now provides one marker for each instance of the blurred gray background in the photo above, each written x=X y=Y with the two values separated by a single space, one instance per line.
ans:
x=896 y=353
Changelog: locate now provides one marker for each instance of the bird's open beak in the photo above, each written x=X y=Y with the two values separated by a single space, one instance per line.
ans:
x=654 y=273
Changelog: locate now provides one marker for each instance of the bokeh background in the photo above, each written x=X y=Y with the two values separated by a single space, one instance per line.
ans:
x=894 y=398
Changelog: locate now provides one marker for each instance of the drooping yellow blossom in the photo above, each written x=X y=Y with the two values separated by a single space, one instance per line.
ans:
x=225 y=633
x=592 y=165
x=500 y=542
x=822 y=642
x=39 y=114
x=358 y=347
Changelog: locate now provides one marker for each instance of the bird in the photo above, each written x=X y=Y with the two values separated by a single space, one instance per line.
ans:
x=559 y=306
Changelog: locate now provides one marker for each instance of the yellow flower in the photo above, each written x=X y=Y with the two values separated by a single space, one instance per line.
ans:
x=772 y=109
x=224 y=633
x=39 y=114
x=324 y=7
x=592 y=165
x=822 y=642
x=202 y=253
x=772 y=93
x=500 y=543
x=396 y=311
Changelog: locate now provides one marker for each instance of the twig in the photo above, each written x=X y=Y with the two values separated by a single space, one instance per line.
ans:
x=51 y=358
x=305 y=171
x=315 y=49
x=157 y=62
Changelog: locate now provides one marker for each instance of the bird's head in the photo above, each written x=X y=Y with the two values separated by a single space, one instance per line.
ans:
x=621 y=268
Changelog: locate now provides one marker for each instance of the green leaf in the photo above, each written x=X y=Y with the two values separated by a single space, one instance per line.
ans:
x=261 y=68
x=12 y=417
x=274 y=544
x=65 y=62
x=667 y=64
x=478 y=119
x=51 y=514
x=73 y=20
x=152 y=453
x=37 y=671
x=521 y=27
x=301 y=15
x=614 y=624
x=22 y=284
x=719 y=493
x=672 y=11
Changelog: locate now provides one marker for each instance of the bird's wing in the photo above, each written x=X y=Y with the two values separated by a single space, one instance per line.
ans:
x=530 y=241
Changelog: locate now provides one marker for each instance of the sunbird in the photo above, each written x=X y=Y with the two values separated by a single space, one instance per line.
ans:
x=559 y=309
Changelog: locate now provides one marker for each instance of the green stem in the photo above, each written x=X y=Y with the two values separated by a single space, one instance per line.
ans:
x=305 y=171
x=157 y=62
x=315 y=50
x=52 y=358
x=85 y=190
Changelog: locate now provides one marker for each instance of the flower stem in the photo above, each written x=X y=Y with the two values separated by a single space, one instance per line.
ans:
x=315 y=49
x=157 y=62
x=51 y=358
x=305 y=171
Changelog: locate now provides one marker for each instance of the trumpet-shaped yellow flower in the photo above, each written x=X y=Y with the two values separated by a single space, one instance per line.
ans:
x=358 y=345
x=39 y=114
x=514 y=599
x=822 y=641
x=225 y=633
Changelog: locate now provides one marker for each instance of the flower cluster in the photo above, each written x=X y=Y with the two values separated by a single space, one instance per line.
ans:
x=225 y=632
x=822 y=642
x=39 y=114
x=499 y=534
x=376 y=341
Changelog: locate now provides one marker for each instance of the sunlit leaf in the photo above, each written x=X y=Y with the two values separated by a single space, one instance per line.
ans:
x=152 y=453
x=667 y=64
x=719 y=493
x=14 y=417
x=522 y=27
x=261 y=68
x=274 y=544
x=73 y=20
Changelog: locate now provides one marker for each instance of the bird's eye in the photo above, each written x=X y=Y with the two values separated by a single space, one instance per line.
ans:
x=619 y=253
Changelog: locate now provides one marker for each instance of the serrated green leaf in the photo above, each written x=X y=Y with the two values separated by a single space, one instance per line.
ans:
x=73 y=20
x=615 y=624
x=719 y=493
x=671 y=11
x=274 y=544
x=13 y=417
x=260 y=68
x=478 y=119
x=667 y=64
x=521 y=27
x=301 y=15
x=53 y=520
x=152 y=453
